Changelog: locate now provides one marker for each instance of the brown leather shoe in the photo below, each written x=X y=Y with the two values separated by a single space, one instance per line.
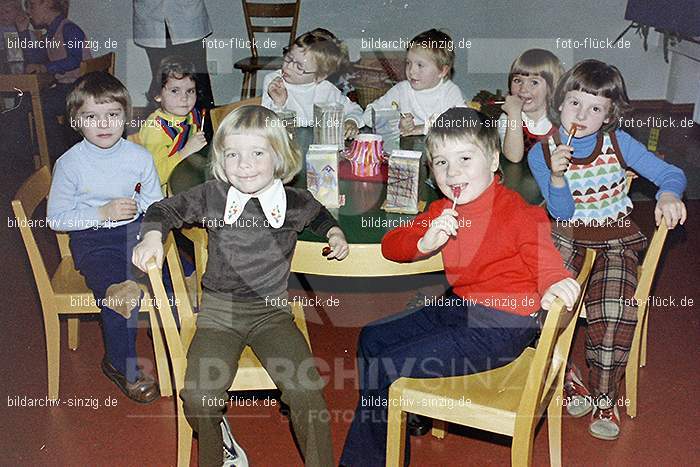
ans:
x=144 y=390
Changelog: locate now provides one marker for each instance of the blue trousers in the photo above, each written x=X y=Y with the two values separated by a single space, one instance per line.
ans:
x=433 y=341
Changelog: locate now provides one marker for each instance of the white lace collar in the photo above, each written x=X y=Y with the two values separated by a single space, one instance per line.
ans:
x=273 y=202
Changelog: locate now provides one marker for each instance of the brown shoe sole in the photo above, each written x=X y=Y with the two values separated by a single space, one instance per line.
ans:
x=131 y=390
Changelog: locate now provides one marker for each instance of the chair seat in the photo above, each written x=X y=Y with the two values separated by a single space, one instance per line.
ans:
x=487 y=400
x=251 y=64
x=251 y=375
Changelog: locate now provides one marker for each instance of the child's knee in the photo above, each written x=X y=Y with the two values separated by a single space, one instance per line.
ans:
x=199 y=403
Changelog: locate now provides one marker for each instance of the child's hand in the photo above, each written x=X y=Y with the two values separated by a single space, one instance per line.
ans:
x=196 y=142
x=351 y=129
x=277 y=92
x=34 y=68
x=513 y=107
x=566 y=289
x=406 y=124
x=339 y=246
x=118 y=210
x=441 y=228
x=671 y=208
x=561 y=158
x=150 y=247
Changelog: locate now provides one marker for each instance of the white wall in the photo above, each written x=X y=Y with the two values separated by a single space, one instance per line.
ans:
x=499 y=31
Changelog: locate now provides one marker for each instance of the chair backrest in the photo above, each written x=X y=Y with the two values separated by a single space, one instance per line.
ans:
x=103 y=63
x=549 y=362
x=32 y=192
x=258 y=16
x=646 y=272
x=219 y=113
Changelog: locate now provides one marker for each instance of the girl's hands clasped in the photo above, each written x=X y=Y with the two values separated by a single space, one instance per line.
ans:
x=441 y=229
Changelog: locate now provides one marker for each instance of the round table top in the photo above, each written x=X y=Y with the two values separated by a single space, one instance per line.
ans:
x=361 y=217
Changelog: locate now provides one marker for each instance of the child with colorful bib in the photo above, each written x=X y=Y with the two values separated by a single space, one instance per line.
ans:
x=584 y=186
x=427 y=90
x=174 y=131
x=302 y=82
x=532 y=79
x=499 y=260
x=99 y=189
x=253 y=221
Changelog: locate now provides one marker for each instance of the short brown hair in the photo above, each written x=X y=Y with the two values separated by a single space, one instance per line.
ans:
x=257 y=120
x=597 y=78
x=175 y=67
x=538 y=62
x=102 y=87
x=439 y=46
x=329 y=53
x=463 y=124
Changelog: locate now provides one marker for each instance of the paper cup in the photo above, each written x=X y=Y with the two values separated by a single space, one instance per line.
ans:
x=366 y=155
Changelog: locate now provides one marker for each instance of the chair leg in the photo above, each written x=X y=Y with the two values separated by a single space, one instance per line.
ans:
x=162 y=367
x=521 y=451
x=53 y=354
x=554 y=430
x=184 y=436
x=439 y=428
x=73 y=333
x=632 y=376
x=395 y=437
x=253 y=84
x=244 y=86
x=643 y=349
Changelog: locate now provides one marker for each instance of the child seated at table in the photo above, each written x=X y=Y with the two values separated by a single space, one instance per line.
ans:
x=94 y=198
x=428 y=90
x=59 y=52
x=253 y=221
x=591 y=209
x=499 y=260
x=532 y=79
x=302 y=82
x=174 y=131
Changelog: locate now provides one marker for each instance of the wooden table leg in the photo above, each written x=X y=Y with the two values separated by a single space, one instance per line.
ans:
x=40 y=131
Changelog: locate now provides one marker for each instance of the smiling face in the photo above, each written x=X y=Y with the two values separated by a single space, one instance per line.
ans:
x=299 y=67
x=465 y=165
x=532 y=90
x=422 y=71
x=587 y=111
x=178 y=96
x=102 y=124
x=249 y=162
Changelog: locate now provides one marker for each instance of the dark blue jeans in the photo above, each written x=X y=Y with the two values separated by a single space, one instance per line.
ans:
x=433 y=341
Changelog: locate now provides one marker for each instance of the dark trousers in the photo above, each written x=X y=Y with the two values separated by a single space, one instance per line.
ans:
x=224 y=328
x=103 y=257
x=433 y=341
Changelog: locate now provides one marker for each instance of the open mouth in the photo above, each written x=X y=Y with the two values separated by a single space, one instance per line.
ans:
x=457 y=189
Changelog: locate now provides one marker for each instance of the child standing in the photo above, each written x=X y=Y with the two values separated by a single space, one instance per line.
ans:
x=498 y=257
x=301 y=82
x=592 y=208
x=532 y=79
x=94 y=198
x=253 y=221
x=174 y=131
x=428 y=89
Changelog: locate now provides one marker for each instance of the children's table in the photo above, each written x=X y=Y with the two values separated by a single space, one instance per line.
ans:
x=361 y=217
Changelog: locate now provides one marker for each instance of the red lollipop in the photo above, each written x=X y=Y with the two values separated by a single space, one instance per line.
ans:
x=326 y=251
x=137 y=190
x=456 y=191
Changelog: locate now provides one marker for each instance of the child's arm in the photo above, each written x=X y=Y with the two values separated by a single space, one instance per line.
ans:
x=274 y=96
x=384 y=102
x=325 y=225
x=560 y=202
x=405 y=244
x=670 y=179
x=512 y=139
x=542 y=258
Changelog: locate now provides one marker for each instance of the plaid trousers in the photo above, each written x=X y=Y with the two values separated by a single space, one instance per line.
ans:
x=609 y=311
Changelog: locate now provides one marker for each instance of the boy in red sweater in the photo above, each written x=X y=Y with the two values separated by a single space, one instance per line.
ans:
x=499 y=260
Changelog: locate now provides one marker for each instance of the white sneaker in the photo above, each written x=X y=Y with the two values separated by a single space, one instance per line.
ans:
x=605 y=421
x=234 y=455
x=578 y=399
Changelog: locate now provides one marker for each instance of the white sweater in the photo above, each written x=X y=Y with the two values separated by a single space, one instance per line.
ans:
x=302 y=97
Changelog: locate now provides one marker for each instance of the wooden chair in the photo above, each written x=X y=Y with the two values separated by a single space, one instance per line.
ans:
x=508 y=400
x=65 y=293
x=257 y=19
x=219 y=113
x=638 y=352
x=103 y=63
x=250 y=376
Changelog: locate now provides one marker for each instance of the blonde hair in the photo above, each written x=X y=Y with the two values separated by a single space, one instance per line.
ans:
x=538 y=62
x=463 y=124
x=257 y=120
x=438 y=45
x=329 y=53
x=597 y=78
x=102 y=87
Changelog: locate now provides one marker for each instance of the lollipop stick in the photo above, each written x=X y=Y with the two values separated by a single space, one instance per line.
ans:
x=572 y=133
